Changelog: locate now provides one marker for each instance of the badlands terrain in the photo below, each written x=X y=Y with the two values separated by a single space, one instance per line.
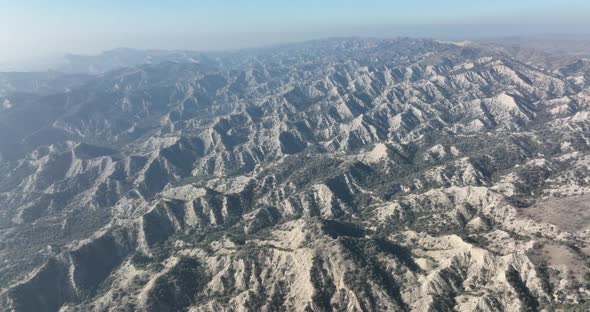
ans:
x=332 y=175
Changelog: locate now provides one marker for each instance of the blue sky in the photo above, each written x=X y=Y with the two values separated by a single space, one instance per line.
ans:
x=87 y=26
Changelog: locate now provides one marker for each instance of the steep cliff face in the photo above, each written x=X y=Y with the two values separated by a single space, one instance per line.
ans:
x=343 y=174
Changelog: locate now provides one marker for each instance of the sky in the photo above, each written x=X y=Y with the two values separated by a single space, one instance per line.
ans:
x=35 y=28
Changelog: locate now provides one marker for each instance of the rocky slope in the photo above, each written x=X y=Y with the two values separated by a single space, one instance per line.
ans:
x=340 y=174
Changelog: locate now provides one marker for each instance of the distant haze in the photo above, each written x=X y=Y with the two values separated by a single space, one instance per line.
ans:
x=41 y=30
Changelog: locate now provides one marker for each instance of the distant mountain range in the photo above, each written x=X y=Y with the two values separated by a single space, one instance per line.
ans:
x=332 y=175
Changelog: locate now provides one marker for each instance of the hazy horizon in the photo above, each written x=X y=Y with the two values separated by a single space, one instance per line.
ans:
x=38 y=30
